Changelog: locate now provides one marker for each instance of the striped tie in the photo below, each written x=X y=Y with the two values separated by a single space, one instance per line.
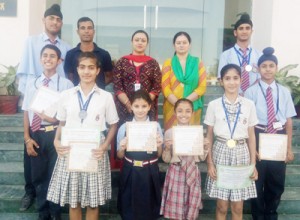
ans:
x=245 y=74
x=271 y=111
x=36 y=121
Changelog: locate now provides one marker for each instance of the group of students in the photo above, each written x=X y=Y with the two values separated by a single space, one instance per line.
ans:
x=234 y=122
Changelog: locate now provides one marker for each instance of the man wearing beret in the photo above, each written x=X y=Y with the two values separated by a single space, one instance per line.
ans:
x=30 y=67
x=242 y=53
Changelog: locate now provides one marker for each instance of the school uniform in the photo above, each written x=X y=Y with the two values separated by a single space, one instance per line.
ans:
x=42 y=165
x=221 y=153
x=234 y=55
x=88 y=189
x=271 y=174
x=182 y=188
x=139 y=194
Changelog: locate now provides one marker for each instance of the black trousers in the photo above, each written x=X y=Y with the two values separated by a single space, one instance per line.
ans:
x=41 y=171
x=29 y=188
x=269 y=186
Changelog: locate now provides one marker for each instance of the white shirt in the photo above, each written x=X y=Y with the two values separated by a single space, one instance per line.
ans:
x=215 y=116
x=101 y=109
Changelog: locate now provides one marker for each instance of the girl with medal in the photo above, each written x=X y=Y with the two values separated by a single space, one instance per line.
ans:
x=230 y=121
x=85 y=105
x=182 y=187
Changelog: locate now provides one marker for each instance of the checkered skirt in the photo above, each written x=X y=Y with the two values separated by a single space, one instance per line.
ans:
x=180 y=201
x=88 y=189
x=223 y=155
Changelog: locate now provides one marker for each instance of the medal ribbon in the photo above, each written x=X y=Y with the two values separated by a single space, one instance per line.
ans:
x=227 y=118
x=84 y=106
x=242 y=58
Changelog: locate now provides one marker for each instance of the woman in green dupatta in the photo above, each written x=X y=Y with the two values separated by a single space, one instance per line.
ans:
x=183 y=76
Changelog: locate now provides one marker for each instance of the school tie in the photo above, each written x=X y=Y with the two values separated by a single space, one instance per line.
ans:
x=36 y=121
x=245 y=74
x=271 y=111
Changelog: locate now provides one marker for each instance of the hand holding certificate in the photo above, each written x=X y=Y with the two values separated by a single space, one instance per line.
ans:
x=188 y=140
x=141 y=136
x=234 y=177
x=81 y=141
x=272 y=146
x=43 y=100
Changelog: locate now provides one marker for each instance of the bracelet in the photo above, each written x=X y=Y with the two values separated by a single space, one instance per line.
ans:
x=27 y=141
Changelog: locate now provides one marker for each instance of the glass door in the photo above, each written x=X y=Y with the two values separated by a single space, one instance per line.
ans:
x=207 y=22
x=170 y=17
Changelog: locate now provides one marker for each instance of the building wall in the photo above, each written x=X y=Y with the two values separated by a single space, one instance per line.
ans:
x=276 y=24
x=14 y=30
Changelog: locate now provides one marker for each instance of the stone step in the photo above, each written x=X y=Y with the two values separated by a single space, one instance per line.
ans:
x=11 y=135
x=11 y=152
x=10 y=197
x=15 y=120
x=31 y=216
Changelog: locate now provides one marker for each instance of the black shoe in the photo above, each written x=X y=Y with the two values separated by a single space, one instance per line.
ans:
x=55 y=217
x=43 y=217
x=26 y=202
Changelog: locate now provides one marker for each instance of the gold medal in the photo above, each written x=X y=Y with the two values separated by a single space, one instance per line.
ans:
x=231 y=143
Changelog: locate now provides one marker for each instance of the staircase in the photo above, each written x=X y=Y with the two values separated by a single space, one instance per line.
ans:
x=12 y=180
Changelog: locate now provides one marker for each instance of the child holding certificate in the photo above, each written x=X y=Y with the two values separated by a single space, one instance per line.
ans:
x=84 y=106
x=230 y=121
x=39 y=130
x=139 y=193
x=275 y=109
x=182 y=188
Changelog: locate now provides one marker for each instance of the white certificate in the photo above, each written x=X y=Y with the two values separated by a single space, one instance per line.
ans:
x=188 y=140
x=141 y=136
x=77 y=135
x=44 y=99
x=81 y=159
x=273 y=146
x=81 y=142
x=234 y=177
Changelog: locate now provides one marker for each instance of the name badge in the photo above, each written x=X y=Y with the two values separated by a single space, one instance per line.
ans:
x=137 y=86
x=277 y=125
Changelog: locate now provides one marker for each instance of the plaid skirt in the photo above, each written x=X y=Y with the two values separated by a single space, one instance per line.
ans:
x=180 y=201
x=88 y=189
x=223 y=155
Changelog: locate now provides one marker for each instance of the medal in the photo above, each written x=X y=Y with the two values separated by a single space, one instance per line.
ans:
x=248 y=68
x=82 y=114
x=83 y=106
x=231 y=143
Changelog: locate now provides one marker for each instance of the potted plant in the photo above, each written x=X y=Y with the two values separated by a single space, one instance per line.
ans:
x=9 y=94
x=291 y=82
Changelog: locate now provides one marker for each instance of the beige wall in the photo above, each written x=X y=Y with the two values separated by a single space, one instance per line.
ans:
x=14 y=30
x=276 y=24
